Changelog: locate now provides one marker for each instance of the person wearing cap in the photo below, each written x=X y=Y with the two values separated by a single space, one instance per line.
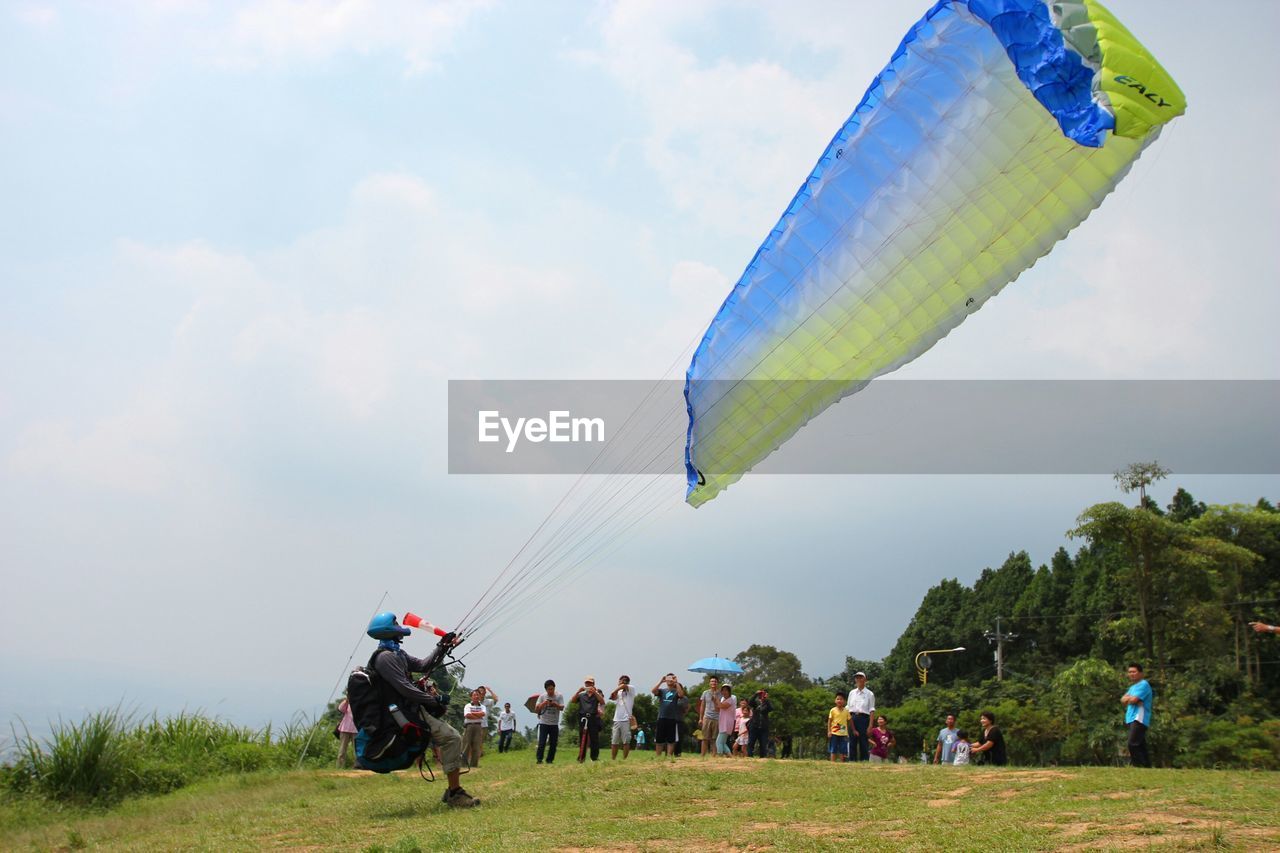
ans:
x=862 y=705
x=590 y=713
x=624 y=700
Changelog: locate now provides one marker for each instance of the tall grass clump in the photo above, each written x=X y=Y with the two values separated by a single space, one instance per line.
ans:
x=110 y=755
x=82 y=761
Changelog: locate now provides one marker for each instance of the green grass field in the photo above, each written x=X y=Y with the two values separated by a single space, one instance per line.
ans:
x=646 y=803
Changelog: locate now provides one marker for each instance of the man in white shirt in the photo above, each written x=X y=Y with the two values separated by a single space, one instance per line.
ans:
x=862 y=705
x=475 y=718
x=506 y=728
x=624 y=700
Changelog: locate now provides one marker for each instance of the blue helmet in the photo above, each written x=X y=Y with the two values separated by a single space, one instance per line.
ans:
x=385 y=627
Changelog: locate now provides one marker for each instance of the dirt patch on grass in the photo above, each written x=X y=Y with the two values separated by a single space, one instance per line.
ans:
x=1007 y=776
x=817 y=830
x=717 y=764
x=1142 y=829
x=1113 y=795
x=1269 y=834
x=667 y=844
x=763 y=825
x=948 y=797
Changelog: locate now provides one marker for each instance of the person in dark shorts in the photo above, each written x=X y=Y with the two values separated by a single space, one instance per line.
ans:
x=669 y=691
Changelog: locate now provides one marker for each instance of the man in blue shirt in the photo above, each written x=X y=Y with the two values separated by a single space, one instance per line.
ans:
x=944 y=753
x=1137 y=715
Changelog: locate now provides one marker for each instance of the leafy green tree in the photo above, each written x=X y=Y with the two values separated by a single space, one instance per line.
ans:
x=1086 y=696
x=769 y=665
x=1169 y=569
x=1246 y=571
x=844 y=679
x=941 y=621
x=1184 y=507
x=1137 y=476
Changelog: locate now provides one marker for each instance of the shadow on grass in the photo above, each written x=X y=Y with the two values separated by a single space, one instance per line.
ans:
x=401 y=812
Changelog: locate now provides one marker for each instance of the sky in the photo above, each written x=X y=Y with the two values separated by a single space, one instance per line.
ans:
x=245 y=245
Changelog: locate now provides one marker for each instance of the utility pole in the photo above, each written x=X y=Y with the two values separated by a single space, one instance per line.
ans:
x=999 y=637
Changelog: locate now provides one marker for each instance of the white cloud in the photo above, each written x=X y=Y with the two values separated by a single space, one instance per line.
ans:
x=699 y=287
x=129 y=451
x=1139 y=314
x=314 y=30
x=346 y=325
x=732 y=138
x=37 y=15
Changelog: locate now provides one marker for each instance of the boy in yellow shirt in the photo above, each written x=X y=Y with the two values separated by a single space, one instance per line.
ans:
x=838 y=730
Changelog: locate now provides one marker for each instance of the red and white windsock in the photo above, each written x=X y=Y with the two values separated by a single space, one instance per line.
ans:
x=414 y=621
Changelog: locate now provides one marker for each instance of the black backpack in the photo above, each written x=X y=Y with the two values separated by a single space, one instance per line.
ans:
x=392 y=734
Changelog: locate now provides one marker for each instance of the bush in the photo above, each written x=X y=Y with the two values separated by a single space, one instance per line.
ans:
x=161 y=777
x=108 y=756
x=244 y=757
x=81 y=762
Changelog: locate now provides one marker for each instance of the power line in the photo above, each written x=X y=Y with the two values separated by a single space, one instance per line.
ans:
x=1121 y=612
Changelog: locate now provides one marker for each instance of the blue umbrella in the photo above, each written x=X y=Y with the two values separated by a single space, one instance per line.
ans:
x=715 y=666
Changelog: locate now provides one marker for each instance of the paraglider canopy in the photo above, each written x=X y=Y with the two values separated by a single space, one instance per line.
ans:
x=996 y=128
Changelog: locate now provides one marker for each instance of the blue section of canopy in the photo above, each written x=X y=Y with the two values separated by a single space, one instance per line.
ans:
x=1055 y=74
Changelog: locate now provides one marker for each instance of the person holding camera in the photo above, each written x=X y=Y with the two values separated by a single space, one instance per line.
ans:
x=624 y=721
x=590 y=714
x=758 y=725
x=548 y=708
x=669 y=693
